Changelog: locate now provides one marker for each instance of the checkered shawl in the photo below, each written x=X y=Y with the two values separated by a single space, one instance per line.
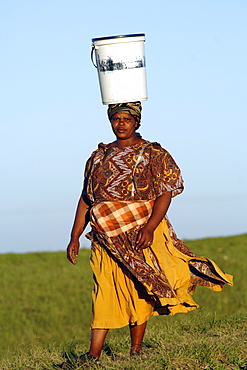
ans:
x=114 y=218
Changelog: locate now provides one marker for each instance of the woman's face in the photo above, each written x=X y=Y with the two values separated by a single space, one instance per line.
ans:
x=123 y=125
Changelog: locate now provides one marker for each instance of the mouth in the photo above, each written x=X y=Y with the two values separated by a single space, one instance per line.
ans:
x=120 y=130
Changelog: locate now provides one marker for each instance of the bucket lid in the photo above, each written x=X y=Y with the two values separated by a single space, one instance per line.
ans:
x=118 y=36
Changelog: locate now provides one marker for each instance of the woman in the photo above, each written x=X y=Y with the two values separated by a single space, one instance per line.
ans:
x=140 y=268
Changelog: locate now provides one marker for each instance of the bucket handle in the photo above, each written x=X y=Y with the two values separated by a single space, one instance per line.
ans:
x=93 y=48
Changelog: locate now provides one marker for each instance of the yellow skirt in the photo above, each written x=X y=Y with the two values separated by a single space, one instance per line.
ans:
x=119 y=299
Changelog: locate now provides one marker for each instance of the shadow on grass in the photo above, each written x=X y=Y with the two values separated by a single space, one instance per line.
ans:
x=71 y=359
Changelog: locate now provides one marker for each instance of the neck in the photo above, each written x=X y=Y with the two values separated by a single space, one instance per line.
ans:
x=122 y=143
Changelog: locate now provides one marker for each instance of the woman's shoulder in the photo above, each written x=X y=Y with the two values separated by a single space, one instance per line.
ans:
x=100 y=147
x=156 y=147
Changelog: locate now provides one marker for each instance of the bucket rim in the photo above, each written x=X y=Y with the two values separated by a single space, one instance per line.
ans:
x=118 y=36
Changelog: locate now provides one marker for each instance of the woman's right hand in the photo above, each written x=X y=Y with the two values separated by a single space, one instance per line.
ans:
x=73 y=251
x=81 y=220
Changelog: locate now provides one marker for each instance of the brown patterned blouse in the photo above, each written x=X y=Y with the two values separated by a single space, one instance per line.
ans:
x=141 y=171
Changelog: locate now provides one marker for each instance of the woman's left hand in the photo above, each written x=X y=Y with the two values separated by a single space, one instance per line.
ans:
x=144 y=238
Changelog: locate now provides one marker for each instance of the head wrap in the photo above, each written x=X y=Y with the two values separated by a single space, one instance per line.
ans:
x=130 y=108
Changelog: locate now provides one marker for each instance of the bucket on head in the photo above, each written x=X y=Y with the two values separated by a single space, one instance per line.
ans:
x=121 y=65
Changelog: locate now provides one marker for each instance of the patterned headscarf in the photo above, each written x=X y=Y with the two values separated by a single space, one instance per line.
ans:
x=131 y=108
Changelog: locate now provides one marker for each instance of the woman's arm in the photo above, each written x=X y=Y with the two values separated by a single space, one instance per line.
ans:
x=80 y=223
x=145 y=235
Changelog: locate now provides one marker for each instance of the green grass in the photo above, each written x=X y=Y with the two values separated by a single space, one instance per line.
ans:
x=46 y=311
x=44 y=298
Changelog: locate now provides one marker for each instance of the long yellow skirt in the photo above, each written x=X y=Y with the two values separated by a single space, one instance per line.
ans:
x=119 y=299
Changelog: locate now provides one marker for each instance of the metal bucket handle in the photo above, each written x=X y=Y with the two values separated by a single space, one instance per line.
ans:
x=93 y=48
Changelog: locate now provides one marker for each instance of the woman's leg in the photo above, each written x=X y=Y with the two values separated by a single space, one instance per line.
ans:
x=136 y=335
x=97 y=341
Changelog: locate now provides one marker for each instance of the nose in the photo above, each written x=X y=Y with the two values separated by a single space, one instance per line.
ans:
x=121 y=121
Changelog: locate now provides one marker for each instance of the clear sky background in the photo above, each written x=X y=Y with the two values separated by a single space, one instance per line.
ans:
x=52 y=117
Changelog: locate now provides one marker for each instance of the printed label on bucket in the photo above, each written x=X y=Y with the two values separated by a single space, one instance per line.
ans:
x=106 y=65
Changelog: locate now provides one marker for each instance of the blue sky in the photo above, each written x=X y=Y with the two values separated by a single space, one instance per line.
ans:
x=52 y=117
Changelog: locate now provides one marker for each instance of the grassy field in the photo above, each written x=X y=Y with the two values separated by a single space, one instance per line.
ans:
x=46 y=311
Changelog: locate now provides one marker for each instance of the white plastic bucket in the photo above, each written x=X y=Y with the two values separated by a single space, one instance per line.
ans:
x=121 y=68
